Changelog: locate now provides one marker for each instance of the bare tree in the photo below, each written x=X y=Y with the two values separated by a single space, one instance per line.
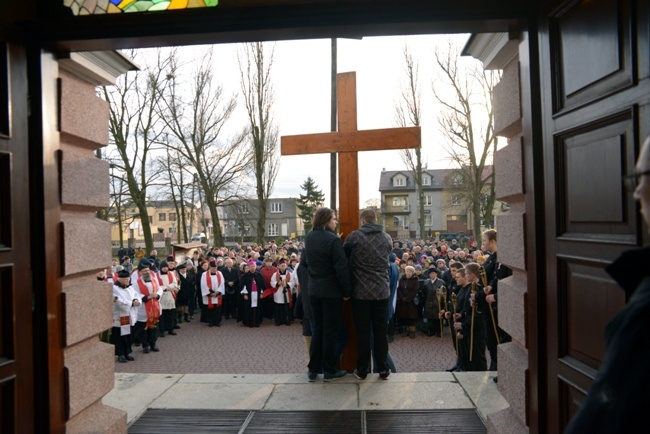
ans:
x=257 y=90
x=174 y=166
x=467 y=121
x=120 y=202
x=196 y=122
x=408 y=112
x=135 y=127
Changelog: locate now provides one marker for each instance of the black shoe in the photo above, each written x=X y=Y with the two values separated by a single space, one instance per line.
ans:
x=145 y=350
x=495 y=379
x=155 y=349
x=384 y=375
x=360 y=375
x=162 y=335
x=173 y=333
x=122 y=359
x=335 y=376
x=453 y=368
x=130 y=358
x=177 y=327
x=312 y=376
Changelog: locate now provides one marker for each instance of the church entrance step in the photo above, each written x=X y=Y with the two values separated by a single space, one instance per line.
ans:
x=161 y=421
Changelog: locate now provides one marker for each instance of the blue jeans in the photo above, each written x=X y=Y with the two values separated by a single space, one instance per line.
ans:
x=371 y=315
x=327 y=314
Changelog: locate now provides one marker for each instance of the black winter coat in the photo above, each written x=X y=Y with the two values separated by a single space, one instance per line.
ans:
x=329 y=276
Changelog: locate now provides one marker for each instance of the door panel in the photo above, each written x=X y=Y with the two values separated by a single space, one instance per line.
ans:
x=16 y=362
x=595 y=111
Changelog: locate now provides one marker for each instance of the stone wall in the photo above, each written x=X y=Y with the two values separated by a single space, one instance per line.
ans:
x=509 y=172
x=89 y=363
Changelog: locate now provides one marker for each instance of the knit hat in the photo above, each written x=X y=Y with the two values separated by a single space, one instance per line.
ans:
x=433 y=270
x=144 y=263
x=251 y=263
x=417 y=267
x=392 y=257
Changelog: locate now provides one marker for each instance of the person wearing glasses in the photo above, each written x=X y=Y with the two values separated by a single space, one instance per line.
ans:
x=615 y=402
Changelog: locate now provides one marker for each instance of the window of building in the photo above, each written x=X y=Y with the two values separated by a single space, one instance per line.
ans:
x=172 y=216
x=457 y=179
x=399 y=181
x=428 y=200
x=428 y=220
x=400 y=221
x=162 y=217
x=399 y=201
x=426 y=180
x=273 y=230
x=456 y=200
x=243 y=208
x=276 y=207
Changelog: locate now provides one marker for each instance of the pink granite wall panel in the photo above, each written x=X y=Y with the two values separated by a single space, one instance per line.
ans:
x=86 y=243
x=83 y=322
x=511 y=226
x=98 y=418
x=84 y=116
x=513 y=368
x=509 y=172
x=507 y=102
x=91 y=373
x=512 y=306
x=85 y=179
x=505 y=422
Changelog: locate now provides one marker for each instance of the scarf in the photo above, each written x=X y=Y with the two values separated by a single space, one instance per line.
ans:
x=152 y=305
x=172 y=279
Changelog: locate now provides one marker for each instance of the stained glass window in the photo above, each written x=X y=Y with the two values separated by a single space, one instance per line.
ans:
x=95 y=7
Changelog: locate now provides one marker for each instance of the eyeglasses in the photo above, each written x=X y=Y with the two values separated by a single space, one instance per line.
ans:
x=631 y=182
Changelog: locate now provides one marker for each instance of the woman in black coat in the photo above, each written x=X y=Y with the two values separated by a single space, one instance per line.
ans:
x=406 y=310
x=329 y=285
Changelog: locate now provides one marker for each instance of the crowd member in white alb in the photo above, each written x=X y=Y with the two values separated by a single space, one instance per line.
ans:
x=146 y=285
x=281 y=284
x=125 y=308
x=212 y=289
x=168 y=299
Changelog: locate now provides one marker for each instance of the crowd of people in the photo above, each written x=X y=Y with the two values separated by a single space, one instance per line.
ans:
x=428 y=282
x=397 y=288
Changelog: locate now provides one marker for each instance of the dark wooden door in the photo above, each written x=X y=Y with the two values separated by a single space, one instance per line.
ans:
x=595 y=87
x=16 y=361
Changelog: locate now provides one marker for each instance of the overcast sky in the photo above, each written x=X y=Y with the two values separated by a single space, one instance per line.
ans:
x=301 y=77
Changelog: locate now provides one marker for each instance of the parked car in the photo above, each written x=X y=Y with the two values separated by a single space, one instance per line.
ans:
x=198 y=236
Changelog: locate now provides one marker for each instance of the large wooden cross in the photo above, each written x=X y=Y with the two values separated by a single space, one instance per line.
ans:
x=347 y=142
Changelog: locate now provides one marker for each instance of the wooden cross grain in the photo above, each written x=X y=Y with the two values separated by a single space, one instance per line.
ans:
x=347 y=142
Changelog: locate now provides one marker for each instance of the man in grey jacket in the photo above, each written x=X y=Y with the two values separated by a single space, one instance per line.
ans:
x=367 y=250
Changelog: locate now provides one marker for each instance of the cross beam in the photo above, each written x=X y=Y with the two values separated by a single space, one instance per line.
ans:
x=347 y=142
